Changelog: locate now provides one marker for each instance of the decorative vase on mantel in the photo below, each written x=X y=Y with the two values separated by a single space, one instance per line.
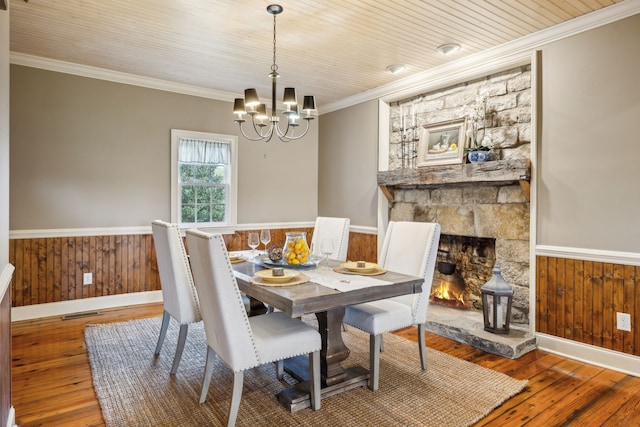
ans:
x=478 y=156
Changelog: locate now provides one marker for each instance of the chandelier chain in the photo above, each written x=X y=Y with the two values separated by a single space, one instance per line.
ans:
x=274 y=66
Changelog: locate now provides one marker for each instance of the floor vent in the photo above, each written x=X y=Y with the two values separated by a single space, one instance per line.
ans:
x=77 y=315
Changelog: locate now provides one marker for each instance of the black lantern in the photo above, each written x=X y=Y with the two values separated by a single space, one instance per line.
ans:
x=497 y=296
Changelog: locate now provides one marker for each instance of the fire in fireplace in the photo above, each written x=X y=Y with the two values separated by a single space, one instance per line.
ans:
x=464 y=265
x=449 y=290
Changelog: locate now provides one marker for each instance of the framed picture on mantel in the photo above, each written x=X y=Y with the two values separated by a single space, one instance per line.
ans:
x=441 y=143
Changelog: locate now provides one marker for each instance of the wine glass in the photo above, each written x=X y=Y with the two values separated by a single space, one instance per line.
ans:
x=326 y=248
x=254 y=241
x=314 y=257
x=265 y=238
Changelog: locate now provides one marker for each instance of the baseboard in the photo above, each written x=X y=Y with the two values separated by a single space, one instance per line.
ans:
x=61 y=308
x=11 y=419
x=590 y=354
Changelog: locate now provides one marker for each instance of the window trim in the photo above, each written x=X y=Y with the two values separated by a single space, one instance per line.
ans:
x=232 y=140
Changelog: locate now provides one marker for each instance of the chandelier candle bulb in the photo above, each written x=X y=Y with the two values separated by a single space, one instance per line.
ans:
x=239 y=108
x=309 y=105
x=289 y=97
x=251 y=97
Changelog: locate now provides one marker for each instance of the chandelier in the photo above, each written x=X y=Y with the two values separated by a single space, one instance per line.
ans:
x=266 y=126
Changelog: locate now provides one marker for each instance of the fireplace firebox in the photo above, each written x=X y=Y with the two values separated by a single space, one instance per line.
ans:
x=464 y=264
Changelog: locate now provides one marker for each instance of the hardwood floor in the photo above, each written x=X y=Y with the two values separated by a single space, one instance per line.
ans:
x=52 y=383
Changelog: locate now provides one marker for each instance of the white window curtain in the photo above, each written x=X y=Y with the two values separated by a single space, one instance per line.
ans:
x=203 y=151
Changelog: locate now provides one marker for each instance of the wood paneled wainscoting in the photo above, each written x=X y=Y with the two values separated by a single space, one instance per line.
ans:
x=51 y=269
x=578 y=300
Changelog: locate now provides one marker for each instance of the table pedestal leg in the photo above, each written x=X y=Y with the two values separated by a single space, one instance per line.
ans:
x=256 y=307
x=335 y=378
x=333 y=349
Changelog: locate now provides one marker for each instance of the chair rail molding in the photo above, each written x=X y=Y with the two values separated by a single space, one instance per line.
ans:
x=115 y=231
x=597 y=255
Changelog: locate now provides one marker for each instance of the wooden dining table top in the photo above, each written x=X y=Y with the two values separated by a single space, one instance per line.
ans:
x=310 y=297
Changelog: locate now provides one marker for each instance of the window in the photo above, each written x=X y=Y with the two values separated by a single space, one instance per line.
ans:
x=203 y=179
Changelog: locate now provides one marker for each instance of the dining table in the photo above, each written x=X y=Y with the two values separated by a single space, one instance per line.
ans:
x=326 y=294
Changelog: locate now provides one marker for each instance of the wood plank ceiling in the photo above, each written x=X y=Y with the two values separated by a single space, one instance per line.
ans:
x=333 y=49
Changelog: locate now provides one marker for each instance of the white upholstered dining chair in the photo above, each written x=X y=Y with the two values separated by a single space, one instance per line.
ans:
x=336 y=229
x=178 y=290
x=409 y=248
x=243 y=342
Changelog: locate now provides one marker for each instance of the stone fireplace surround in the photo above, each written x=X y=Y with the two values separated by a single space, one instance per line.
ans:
x=480 y=200
x=470 y=210
x=496 y=210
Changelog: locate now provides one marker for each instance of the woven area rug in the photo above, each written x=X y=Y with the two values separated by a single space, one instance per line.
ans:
x=135 y=389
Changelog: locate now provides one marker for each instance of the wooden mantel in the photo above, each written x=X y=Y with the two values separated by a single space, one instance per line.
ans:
x=497 y=172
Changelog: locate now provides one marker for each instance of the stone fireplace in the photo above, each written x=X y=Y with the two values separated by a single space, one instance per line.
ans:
x=482 y=224
x=482 y=208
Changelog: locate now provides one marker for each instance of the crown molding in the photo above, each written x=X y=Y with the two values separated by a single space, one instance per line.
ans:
x=117 y=76
x=490 y=61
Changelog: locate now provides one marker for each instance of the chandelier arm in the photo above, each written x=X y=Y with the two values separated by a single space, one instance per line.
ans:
x=279 y=131
x=259 y=138
x=257 y=130
x=260 y=135
x=306 y=129
x=284 y=137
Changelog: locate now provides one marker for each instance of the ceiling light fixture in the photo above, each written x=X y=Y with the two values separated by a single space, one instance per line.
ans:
x=448 y=48
x=396 y=68
x=266 y=126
